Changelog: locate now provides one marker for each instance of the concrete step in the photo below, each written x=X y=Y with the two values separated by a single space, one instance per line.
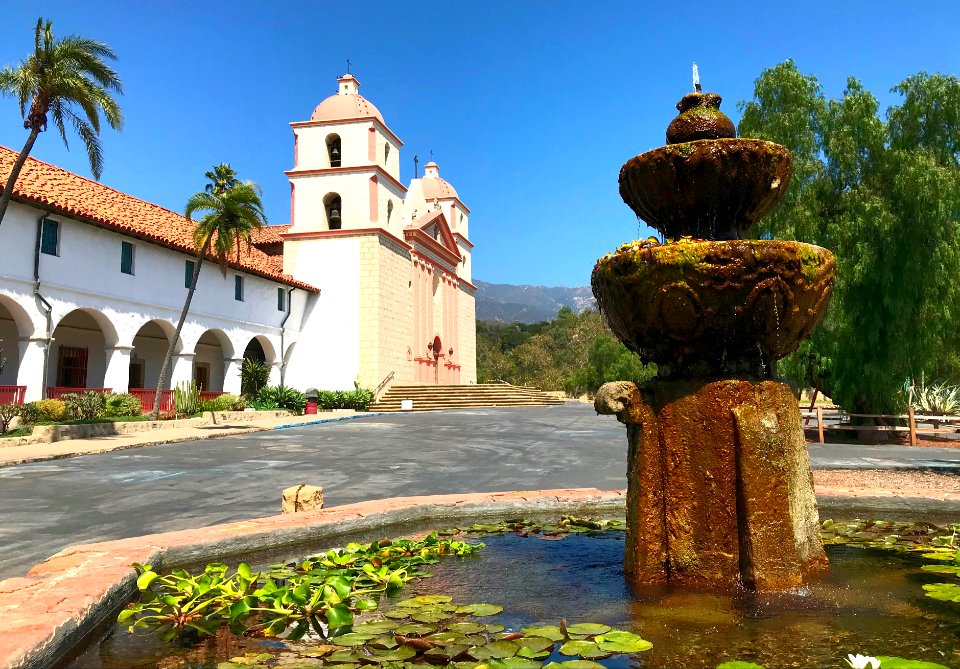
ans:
x=434 y=398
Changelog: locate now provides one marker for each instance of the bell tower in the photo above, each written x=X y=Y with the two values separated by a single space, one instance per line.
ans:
x=346 y=167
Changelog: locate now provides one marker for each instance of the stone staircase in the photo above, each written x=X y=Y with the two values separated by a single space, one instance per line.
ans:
x=434 y=398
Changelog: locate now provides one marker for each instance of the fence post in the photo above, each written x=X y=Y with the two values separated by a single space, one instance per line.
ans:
x=820 y=423
x=913 y=427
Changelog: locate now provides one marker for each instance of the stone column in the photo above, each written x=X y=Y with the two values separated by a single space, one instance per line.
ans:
x=231 y=375
x=274 y=378
x=182 y=364
x=117 y=375
x=30 y=370
x=719 y=488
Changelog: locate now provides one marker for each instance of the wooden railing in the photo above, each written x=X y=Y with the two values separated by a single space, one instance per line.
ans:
x=913 y=423
x=56 y=392
x=147 y=395
x=383 y=387
x=12 y=394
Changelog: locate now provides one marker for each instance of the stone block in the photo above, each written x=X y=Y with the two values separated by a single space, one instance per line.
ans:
x=302 y=497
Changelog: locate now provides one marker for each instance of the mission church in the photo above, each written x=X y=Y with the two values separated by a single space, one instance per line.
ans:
x=370 y=280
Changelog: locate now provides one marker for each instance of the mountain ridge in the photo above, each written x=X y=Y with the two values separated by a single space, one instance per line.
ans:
x=524 y=303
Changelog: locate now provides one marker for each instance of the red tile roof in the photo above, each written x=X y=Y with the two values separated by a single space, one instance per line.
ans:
x=50 y=187
x=269 y=234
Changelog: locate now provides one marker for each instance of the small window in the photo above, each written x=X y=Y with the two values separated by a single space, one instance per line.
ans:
x=281 y=300
x=188 y=273
x=50 y=238
x=238 y=288
x=333 y=150
x=126 y=258
x=386 y=153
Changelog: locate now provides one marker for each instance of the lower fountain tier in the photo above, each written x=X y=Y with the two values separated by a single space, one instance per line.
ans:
x=703 y=309
x=719 y=488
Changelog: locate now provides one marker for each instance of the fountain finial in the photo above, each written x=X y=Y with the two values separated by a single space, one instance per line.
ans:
x=696 y=77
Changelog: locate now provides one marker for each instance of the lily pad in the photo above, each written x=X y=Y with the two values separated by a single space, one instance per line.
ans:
x=467 y=627
x=449 y=651
x=574 y=648
x=317 y=651
x=942 y=568
x=399 y=614
x=551 y=632
x=430 y=616
x=514 y=663
x=588 y=629
x=618 y=641
x=420 y=629
x=349 y=656
x=480 y=609
x=888 y=662
x=395 y=655
x=353 y=639
x=536 y=643
x=495 y=628
x=574 y=664
x=946 y=592
x=375 y=627
x=425 y=600
x=495 y=650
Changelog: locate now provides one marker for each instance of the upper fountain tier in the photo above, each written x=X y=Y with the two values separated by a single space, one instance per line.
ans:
x=705 y=183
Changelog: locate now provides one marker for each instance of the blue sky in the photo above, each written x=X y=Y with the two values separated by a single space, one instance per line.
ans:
x=530 y=108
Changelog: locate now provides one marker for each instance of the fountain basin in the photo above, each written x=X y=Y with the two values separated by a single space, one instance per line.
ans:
x=708 y=188
x=714 y=308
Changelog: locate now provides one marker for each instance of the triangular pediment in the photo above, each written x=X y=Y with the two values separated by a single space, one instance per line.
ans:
x=433 y=226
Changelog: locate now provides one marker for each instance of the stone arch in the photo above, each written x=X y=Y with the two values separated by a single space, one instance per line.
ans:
x=150 y=345
x=212 y=350
x=261 y=348
x=78 y=355
x=333 y=210
x=14 y=323
x=334 y=150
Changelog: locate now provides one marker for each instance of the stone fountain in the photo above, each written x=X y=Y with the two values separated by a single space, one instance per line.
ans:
x=720 y=491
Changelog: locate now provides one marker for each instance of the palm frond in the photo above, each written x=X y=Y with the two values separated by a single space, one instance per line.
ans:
x=90 y=140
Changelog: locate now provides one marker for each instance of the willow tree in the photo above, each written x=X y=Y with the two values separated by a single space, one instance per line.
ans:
x=66 y=80
x=232 y=210
x=883 y=193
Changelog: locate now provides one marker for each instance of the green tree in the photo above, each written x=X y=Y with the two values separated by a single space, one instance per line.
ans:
x=232 y=214
x=222 y=178
x=607 y=360
x=884 y=196
x=69 y=80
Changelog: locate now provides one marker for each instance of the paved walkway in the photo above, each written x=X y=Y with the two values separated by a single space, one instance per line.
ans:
x=13 y=455
x=48 y=505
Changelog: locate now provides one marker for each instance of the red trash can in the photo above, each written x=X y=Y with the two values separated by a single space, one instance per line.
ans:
x=311 y=408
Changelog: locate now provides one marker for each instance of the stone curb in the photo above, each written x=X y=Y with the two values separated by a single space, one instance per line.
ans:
x=47 y=613
x=327 y=420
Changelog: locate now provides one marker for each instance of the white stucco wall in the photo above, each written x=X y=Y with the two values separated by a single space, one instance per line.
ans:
x=86 y=275
x=327 y=353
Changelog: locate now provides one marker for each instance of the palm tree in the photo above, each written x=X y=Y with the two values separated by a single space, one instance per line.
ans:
x=222 y=177
x=69 y=80
x=232 y=214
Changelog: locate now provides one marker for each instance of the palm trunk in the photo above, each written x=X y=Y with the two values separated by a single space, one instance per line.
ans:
x=165 y=369
x=15 y=172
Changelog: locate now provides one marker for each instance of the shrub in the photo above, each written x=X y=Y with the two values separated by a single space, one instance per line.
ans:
x=280 y=397
x=46 y=411
x=225 y=402
x=253 y=376
x=186 y=398
x=84 y=406
x=358 y=399
x=122 y=404
x=7 y=413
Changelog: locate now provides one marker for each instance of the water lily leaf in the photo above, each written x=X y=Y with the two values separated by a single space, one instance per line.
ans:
x=375 y=627
x=944 y=556
x=737 y=664
x=942 y=568
x=495 y=628
x=430 y=616
x=532 y=654
x=339 y=616
x=450 y=651
x=480 y=609
x=574 y=664
x=353 y=639
x=415 y=628
x=349 y=656
x=386 y=641
x=536 y=643
x=551 y=632
x=888 y=662
x=467 y=627
x=946 y=592
x=495 y=650
x=398 y=654
x=619 y=641
x=514 y=663
x=425 y=600
x=587 y=649
x=399 y=614
x=317 y=651
x=588 y=629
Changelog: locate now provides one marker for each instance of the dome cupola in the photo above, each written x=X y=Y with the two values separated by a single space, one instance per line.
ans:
x=435 y=188
x=346 y=104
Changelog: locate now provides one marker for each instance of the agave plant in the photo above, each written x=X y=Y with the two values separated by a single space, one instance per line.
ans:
x=937 y=399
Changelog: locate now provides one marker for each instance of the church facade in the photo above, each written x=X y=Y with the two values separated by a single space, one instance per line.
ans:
x=370 y=279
